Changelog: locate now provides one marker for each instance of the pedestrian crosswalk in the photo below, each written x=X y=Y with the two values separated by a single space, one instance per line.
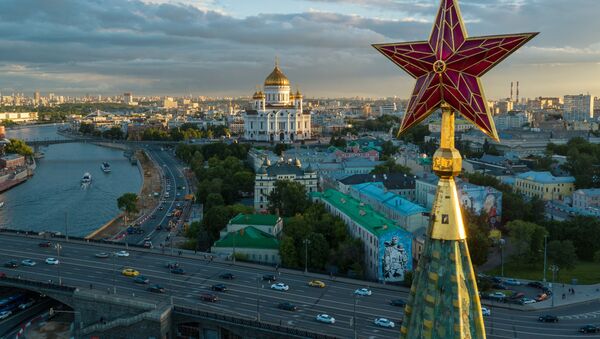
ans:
x=588 y=315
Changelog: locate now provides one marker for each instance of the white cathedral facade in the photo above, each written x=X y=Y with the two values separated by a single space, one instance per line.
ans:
x=277 y=114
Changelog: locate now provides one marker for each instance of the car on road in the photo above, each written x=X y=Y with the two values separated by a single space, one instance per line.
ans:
x=177 y=270
x=5 y=314
x=548 y=318
x=325 y=318
x=158 y=227
x=130 y=272
x=512 y=282
x=11 y=264
x=287 y=306
x=527 y=301
x=102 y=255
x=161 y=207
x=316 y=283
x=227 y=276
x=363 y=291
x=172 y=264
x=45 y=244
x=280 y=287
x=156 y=289
x=588 y=329
x=219 y=287
x=541 y=297
x=486 y=311
x=147 y=244
x=209 y=297
x=27 y=304
x=28 y=262
x=384 y=322
x=141 y=279
x=535 y=284
x=52 y=261
x=122 y=254
x=398 y=302
x=269 y=277
x=499 y=296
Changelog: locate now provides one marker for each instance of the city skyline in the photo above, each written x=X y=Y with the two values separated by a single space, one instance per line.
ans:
x=226 y=48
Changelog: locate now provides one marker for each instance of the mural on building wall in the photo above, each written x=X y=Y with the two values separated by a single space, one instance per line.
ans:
x=395 y=253
x=483 y=200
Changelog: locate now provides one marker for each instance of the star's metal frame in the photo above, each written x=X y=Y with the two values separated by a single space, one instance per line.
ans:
x=464 y=59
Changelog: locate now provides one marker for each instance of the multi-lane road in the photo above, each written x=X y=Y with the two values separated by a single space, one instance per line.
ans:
x=249 y=295
x=173 y=182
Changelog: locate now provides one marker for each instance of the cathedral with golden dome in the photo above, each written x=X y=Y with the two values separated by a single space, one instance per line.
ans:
x=277 y=114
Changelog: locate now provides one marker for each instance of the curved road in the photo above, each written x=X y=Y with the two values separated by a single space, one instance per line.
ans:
x=248 y=292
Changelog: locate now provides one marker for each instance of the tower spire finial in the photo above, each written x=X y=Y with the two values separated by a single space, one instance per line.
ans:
x=276 y=61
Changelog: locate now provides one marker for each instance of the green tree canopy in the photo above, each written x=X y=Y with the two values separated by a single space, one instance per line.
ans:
x=19 y=147
x=562 y=253
x=528 y=239
x=288 y=198
x=390 y=166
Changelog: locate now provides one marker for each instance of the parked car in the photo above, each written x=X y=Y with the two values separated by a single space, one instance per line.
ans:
x=548 y=318
x=535 y=284
x=498 y=296
x=541 y=297
x=512 y=282
x=499 y=286
x=209 y=297
x=527 y=301
x=518 y=295
x=287 y=306
x=5 y=314
x=27 y=304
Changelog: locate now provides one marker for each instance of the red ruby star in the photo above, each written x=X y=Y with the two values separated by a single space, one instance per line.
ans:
x=448 y=67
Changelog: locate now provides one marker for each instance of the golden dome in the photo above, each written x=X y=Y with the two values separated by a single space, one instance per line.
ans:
x=298 y=94
x=277 y=78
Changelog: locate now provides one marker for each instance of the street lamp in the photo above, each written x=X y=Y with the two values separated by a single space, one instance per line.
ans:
x=306 y=243
x=58 y=247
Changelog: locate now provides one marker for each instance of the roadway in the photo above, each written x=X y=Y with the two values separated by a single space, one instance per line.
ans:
x=172 y=170
x=248 y=293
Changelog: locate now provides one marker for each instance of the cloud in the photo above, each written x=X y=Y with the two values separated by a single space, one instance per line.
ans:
x=193 y=46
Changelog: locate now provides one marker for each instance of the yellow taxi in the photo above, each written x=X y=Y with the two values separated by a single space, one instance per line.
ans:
x=316 y=283
x=130 y=272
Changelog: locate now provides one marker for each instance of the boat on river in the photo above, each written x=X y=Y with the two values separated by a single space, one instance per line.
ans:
x=105 y=167
x=87 y=178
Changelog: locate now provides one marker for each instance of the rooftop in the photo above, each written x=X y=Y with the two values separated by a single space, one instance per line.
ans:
x=255 y=219
x=389 y=199
x=591 y=192
x=249 y=237
x=545 y=178
x=363 y=214
x=390 y=181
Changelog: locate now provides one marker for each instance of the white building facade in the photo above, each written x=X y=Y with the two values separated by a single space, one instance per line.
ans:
x=277 y=113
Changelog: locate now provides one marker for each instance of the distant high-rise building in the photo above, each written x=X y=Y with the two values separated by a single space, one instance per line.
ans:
x=503 y=107
x=36 y=98
x=128 y=99
x=578 y=107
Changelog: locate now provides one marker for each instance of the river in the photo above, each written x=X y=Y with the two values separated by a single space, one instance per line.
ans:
x=54 y=200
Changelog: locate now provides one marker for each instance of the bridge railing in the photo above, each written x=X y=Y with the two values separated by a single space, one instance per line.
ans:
x=252 y=323
x=38 y=284
x=42 y=236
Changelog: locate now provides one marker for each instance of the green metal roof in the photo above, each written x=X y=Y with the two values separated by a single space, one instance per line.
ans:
x=363 y=214
x=249 y=237
x=254 y=219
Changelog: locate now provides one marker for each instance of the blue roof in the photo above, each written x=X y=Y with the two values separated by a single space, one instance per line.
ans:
x=592 y=192
x=545 y=178
x=376 y=191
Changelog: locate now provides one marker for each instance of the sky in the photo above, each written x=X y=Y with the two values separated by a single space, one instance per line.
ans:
x=228 y=47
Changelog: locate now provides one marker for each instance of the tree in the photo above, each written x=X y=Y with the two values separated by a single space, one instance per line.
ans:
x=128 y=203
x=86 y=128
x=527 y=238
x=280 y=148
x=287 y=250
x=597 y=256
x=113 y=133
x=288 y=198
x=478 y=239
x=214 y=199
x=388 y=149
x=562 y=253
x=337 y=142
x=390 y=166
x=19 y=147
x=318 y=251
